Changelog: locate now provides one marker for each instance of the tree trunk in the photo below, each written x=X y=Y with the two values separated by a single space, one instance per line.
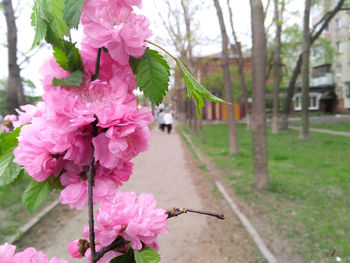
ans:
x=14 y=78
x=240 y=70
x=233 y=148
x=276 y=70
x=261 y=173
x=305 y=99
x=324 y=21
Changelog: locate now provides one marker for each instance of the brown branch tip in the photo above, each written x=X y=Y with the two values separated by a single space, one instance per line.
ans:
x=177 y=211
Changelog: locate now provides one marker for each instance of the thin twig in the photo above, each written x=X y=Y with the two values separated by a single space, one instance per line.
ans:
x=177 y=211
x=117 y=243
x=97 y=67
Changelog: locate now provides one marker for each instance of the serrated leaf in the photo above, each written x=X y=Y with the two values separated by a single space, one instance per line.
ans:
x=152 y=75
x=72 y=12
x=146 y=255
x=68 y=57
x=40 y=20
x=35 y=194
x=125 y=258
x=9 y=140
x=75 y=79
x=9 y=171
x=196 y=89
x=56 y=7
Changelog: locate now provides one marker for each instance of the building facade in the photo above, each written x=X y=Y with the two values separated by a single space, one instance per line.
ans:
x=330 y=63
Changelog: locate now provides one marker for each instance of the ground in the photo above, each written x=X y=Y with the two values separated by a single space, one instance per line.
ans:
x=168 y=171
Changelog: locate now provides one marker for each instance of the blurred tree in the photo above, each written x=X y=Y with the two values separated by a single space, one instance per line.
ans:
x=15 y=96
x=305 y=99
x=233 y=145
x=261 y=172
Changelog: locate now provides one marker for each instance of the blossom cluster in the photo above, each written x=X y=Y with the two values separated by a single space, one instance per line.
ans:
x=100 y=113
x=134 y=218
x=98 y=121
x=30 y=255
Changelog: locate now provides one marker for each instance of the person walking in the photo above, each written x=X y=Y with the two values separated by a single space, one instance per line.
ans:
x=160 y=118
x=168 y=120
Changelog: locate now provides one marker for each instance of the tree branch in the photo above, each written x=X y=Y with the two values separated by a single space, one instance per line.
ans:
x=177 y=211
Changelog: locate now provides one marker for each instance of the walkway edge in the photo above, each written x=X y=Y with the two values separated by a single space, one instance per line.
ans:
x=26 y=227
x=244 y=220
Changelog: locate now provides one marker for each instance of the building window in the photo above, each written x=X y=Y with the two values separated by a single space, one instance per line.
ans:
x=339 y=46
x=338 y=70
x=347 y=89
x=337 y=23
x=314 y=101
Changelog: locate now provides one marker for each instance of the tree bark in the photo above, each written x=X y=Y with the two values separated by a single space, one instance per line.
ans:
x=261 y=173
x=315 y=33
x=14 y=79
x=305 y=99
x=276 y=69
x=233 y=148
x=240 y=70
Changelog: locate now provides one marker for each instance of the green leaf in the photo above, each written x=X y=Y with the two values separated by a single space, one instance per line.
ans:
x=56 y=7
x=9 y=171
x=196 y=89
x=75 y=79
x=146 y=255
x=152 y=75
x=125 y=258
x=35 y=194
x=39 y=20
x=68 y=57
x=72 y=12
x=9 y=140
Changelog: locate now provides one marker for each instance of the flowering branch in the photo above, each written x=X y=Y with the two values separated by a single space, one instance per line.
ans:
x=177 y=211
x=119 y=242
x=90 y=196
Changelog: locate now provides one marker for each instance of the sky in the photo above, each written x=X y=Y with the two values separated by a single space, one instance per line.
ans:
x=207 y=19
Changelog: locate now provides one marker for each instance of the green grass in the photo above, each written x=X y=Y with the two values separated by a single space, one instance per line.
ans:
x=308 y=199
x=13 y=213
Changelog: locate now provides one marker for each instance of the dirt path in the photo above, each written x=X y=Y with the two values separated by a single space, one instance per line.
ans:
x=169 y=172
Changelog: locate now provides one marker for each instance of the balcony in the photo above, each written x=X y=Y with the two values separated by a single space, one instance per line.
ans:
x=321 y=60
x=325 y=80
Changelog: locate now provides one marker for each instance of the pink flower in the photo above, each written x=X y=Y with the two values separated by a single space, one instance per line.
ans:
x=133 y=217
x=7 y=251
x=75 y=193
x=33 y=151
x=124 y=140
x=29 y=255
x=27 y=112
x=7 y=123
x=73 y=249
x=115 y=26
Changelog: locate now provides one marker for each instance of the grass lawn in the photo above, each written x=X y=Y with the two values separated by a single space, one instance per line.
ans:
x=13 y=213
x=308 y=199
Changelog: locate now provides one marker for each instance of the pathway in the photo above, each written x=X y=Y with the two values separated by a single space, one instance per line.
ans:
x=168 y=171
x=333 y=132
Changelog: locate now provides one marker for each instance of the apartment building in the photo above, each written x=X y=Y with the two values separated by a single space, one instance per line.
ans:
x=330 y=63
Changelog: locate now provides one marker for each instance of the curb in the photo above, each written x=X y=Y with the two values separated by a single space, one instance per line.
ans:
x=244 y=220
x=26 y=227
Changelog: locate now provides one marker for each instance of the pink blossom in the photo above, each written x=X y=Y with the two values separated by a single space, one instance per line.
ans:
x=75 y=193
x=133 y=217
x=7 y=251
x=33 y=151
x=116 y=27
x=73 y=249
x=27 y=112
x=7 y=122
x=29 y=255
x=125 y=140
